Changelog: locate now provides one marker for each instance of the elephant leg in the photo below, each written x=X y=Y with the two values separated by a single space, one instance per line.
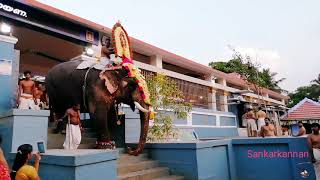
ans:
x=101 y=118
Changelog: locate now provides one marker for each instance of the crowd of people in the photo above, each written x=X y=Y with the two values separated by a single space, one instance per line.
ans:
x=259 y=125
x=31 y=94
x=21 y=169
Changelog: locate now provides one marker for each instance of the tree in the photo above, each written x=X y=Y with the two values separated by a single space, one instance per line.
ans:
x=249 y=71
x=311 y=91
x=316 y=81
x=168 y=101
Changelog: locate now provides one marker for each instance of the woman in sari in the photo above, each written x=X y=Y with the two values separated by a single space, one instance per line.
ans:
x=4 y=168
x=20 y=169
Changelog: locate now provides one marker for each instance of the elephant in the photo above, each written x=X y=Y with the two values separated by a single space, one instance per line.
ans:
x=98 y=92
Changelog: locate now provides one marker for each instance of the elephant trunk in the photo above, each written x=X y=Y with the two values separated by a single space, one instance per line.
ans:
x=144 y=119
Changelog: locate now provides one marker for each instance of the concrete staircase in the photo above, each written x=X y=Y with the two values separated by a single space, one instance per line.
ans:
x=129 y=167
x=142 y=168
x=55 y=141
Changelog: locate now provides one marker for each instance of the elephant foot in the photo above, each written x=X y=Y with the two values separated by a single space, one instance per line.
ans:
x=105 y=145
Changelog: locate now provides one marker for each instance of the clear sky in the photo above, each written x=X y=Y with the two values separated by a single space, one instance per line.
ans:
x=283 y=35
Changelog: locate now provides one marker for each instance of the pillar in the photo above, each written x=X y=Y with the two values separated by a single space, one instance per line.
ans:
x=222 y=81
x=212 y=100
x=225 y=101
x=7 y=77
x=156 y=61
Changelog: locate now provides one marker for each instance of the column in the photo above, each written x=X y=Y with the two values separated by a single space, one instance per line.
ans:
x=7 y=79
x=156 y=61
x=225 y=101
x=212 y=100
x=222 y=81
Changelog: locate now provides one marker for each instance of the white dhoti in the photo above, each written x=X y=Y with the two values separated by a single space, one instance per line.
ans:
x=251 y=127
x=316 y=153
x=261 y=122
x=73 y=137
x=26 y=101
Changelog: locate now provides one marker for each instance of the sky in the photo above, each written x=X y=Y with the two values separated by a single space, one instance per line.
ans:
x=281 y=35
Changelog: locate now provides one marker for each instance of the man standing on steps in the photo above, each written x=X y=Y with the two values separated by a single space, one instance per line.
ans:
x=73 y=129
x=26 y=96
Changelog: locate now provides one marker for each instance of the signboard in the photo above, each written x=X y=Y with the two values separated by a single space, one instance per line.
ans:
x=10 y=9
x=5 y=67
x=43 y=20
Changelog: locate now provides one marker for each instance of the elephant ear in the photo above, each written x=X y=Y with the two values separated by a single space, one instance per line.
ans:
x=109 y=82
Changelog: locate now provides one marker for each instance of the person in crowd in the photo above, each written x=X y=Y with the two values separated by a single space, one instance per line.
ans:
x=314 y=147
x=41 y=96
x=38 y=93
x=73 y=129
x=285 y=131
x=26 y=96
x=20 y=169
x=268 y=129
x=302 y=129
x=251 y=123
x=4 y=168
x=261 y=115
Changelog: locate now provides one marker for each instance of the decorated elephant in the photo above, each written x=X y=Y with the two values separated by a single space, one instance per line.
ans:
x=98 y=92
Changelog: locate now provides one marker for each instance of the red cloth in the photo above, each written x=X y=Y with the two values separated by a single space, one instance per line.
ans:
x=4 y=173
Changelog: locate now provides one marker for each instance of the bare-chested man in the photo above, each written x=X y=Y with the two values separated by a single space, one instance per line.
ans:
x=314 y=147
x=73 y=129
x=251 y=123
x=268 y=129
x=26 y=94
x=260 y=115
x=39 y=95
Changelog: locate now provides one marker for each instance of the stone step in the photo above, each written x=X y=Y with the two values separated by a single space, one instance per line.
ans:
x=55 y=141
x=136 y=166
x=87 y=146
x=126 y=158
x=146 y=174
x=170 y=178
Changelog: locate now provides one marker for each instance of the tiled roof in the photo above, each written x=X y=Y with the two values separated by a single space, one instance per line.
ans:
x=305 y=109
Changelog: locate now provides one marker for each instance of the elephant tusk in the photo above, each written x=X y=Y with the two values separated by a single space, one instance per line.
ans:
x=140 y=107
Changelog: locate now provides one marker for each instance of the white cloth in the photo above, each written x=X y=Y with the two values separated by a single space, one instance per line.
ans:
x=37 y=107
x=261 y=122
x=99 y=65
x=27 y=102
x=316 y=153
x=73 y=137
x=251 y=127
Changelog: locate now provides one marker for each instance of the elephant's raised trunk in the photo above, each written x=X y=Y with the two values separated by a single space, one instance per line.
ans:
x=144 y=119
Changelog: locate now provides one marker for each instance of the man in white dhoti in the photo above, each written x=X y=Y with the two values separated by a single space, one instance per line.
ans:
x=314 y=147
x=261 y=115
x=251 y=123
x=26 y=96
x=73 y=129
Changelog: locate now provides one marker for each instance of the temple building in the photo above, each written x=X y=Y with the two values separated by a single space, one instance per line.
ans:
x=44 y=36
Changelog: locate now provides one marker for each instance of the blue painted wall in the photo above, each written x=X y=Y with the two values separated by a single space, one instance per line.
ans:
x=19 y=127
x=229 y=159
x=6 y=81
x=251 y=167
x=78 y=165
x=213 y=132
